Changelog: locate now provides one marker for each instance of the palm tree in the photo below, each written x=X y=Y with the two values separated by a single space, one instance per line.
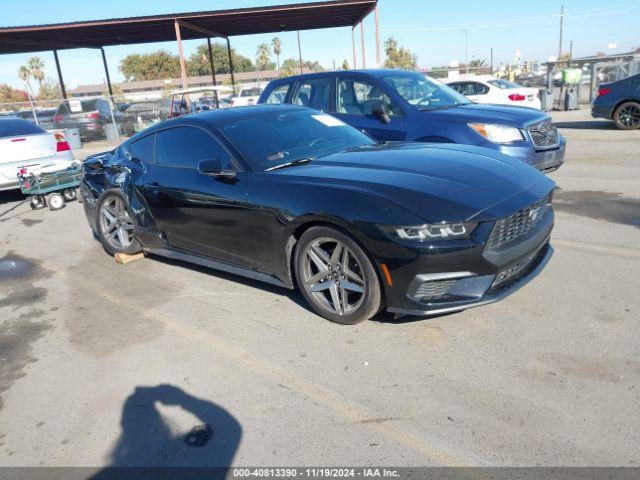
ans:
x=277 y=49
x=36 y=67
x=263 y=56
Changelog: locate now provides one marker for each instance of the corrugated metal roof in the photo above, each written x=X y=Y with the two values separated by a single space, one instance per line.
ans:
x=160 y=28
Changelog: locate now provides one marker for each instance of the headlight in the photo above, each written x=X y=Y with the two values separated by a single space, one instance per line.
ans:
x=498 y=133
x=437 y=231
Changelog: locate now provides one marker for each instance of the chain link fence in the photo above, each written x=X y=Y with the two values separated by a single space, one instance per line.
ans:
x=102 y=121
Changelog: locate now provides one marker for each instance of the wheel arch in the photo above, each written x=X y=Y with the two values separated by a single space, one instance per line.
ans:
x=336 y=224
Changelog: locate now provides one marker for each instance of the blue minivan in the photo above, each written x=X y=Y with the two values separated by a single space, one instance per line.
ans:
x=397 y=105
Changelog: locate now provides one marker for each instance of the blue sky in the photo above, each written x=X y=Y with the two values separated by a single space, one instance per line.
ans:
x=429 y=28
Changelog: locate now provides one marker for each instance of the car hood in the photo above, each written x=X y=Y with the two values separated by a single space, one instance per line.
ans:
x=438 y=183
x=486 y=113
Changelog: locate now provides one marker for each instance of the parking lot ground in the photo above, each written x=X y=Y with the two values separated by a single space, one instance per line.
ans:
x=106 y=364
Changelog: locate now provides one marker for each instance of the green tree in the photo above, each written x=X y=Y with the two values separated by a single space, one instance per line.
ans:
x=277 y=50
x=49 y=90
x=477 y=63
x=150 y=66
x=345 y=65
x=36 y=68
x=292 y=67
x=9 y=94
x=263 y=57
x=198 y=63
x=399 y=57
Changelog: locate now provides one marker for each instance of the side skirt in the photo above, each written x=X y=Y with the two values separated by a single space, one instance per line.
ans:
x=218 y=265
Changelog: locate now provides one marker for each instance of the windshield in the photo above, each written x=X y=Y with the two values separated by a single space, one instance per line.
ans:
x=503 y=84
x=424 y=93
x=272 y=139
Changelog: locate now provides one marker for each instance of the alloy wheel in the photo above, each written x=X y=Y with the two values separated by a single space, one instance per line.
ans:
x=629 y=116
x=332 y=276
x=116 y=223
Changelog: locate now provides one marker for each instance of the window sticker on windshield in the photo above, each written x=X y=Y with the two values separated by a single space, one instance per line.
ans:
x=328 y=120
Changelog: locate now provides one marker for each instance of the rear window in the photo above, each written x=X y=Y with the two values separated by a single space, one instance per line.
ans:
x=250 y=92
x=78 y=106
x=17 y=127
x=503 y=84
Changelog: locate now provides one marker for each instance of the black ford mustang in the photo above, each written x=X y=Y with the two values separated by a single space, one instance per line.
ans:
x=294 y=197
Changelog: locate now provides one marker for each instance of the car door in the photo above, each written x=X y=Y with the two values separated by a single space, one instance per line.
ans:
x=355 y=98
x=313 y=93
x=199 y=213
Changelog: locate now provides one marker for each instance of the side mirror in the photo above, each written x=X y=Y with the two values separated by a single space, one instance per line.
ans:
x=380 y=110
x=210 y=167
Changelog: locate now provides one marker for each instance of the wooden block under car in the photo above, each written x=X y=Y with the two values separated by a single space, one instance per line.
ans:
x=123 y=258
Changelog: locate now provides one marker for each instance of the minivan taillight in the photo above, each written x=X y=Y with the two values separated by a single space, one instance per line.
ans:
x=57 y=118
x=516 y=97
x=603 y=91
x=93 y=115
x=61 y=143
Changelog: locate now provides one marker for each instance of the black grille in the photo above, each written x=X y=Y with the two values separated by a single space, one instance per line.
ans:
x=544 y=134
x=434 y=289
x=508 y=230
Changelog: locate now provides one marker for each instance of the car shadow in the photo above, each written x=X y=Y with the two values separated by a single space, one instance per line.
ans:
x=386 y=317
x=10 y=200
x=149 y=447
x=293 y=295
x=587 y=125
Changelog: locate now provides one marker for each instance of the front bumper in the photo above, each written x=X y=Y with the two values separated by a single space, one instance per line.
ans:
x=544 y=159
x=469 y=274
x=533 y=270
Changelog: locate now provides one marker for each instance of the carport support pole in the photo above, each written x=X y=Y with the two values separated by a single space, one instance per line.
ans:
x=353 y=46
x=183 y=69
x=364 y=63
x=233 y=80
x=213 y=71
x=299 y=51
x=378 y=59
x=106 y=72
x=60 y=79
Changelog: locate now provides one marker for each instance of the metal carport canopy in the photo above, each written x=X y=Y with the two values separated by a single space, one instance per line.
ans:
x=161 y=28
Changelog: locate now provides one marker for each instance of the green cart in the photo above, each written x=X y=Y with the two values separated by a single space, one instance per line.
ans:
x=50 y=189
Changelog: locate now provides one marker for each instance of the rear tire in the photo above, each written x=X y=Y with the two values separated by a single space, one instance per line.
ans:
x=37 y=202
x=55 y=201
x=627 y=116
x=69 y=194
x=336 y=277
x=115 y=224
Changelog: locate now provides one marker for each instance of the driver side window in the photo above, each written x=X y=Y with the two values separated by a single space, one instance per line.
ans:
x=357 y=97
x=186 y=146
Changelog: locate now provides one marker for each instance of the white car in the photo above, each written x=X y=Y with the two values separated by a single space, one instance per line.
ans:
x=24 y=145
x=497 y=91
x=247 y=95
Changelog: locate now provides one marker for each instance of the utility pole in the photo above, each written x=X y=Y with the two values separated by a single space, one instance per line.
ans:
x=491 y=60
x=466 y=50
x=561 y=22
x=570 y=50
x=299 y=52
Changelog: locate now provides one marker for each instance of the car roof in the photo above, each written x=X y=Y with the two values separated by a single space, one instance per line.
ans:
x=381 y=72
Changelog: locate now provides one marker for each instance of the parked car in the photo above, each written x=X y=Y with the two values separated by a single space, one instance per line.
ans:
x=619 y=101
x=44 y=116
x=497 y=91
x=295 y=197
x=247 y=95
x=402 y=105
x=23 y=144
x=91 y=117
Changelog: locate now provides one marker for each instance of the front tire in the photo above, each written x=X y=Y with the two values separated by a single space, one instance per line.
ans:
x=336 y=277
x=627 y=116
x=55 y=201
x=69 y=194
x=115 y=225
